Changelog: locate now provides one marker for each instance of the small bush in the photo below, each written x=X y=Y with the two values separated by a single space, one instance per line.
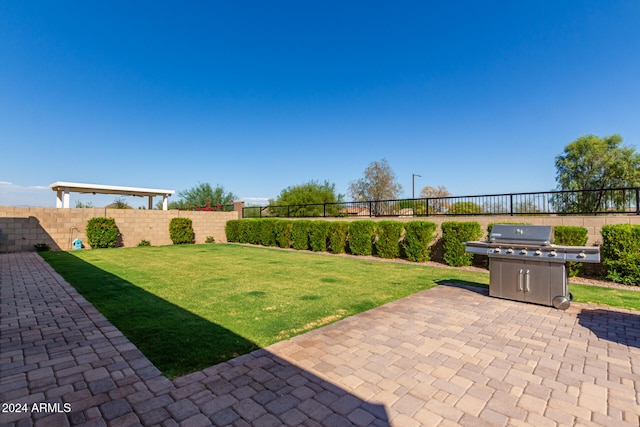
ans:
x=621 y=253
x=418 y=236
x=571 y=236
x=338 y=231
x=267 y=231
x=232 y=230
x=144 y=243
x=209 y=239
x=388 y=239
x=318 y=232
x=454 y=234
x=300 y=234
x=42 y=247
x=102 y=232
x=361 y=234
x=282 y=229
x=181 y=231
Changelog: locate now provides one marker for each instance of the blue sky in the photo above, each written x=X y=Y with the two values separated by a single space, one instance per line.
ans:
x=478 y=96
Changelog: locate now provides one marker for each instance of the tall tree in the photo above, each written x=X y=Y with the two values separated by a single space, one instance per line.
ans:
x=378 y=183
x=594 y=163
x=298 y=197
x=203 y=195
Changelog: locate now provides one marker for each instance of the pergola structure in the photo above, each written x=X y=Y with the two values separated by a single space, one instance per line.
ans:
x=64 y=188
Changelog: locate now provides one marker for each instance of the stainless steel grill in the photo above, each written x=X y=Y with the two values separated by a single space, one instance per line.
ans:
x=526 y=266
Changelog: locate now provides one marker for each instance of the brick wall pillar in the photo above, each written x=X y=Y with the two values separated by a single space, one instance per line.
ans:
x=237 y=207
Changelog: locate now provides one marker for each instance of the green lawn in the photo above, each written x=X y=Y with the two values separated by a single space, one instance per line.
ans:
x=188 y=307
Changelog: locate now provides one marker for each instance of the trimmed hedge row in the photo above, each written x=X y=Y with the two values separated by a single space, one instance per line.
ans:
x=620 y=250
x=386 y=239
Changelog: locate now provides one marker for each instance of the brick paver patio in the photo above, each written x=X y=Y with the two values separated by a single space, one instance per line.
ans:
x=446 y=356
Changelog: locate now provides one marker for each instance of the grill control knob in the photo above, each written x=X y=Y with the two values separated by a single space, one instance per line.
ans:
x=582 y=255
x=510 y=250
x=538 y=252
x=497 y=250
x=553 y=253
x=523 y=251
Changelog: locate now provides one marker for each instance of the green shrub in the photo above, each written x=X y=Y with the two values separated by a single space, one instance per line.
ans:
x=418 y=236
x=300 y=234
x=267 y=231
x=243 y=231
x=144 y=243
x=360 y=237
x=210 y=239
x=102 y=232
x=454 y=234
x=232 y=230
x=282 y=229
x=388 y=234
x=181 y=231
x=252 y=230
x=318 y=232
x=338 y=231
x=621 y=253
x=571 y=236
x=42 y=247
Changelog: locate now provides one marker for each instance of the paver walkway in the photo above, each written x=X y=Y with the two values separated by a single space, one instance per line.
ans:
x=446 y=356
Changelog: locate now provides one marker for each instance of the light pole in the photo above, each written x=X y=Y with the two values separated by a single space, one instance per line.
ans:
x=413 y=184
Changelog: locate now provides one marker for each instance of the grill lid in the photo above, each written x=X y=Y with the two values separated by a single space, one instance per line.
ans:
x=531 y=234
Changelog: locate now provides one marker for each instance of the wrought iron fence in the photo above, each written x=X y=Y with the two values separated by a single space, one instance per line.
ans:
x=600 y=201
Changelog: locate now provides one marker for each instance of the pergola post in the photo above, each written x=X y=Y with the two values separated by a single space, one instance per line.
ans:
x=165 y=202
x=150 y=202
x=65 y=199
x=59 y=199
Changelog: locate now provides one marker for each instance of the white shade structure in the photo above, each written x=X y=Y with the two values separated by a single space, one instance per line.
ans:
x=64 y=188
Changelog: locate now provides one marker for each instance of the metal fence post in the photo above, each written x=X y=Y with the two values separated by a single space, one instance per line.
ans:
x=637 y=200
x=511 y=204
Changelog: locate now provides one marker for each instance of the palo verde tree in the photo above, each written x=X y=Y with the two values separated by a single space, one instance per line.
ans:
x=299 y=198
x=594 y=163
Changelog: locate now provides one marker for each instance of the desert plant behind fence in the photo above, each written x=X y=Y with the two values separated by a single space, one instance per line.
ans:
x=181 y=231
x=454 y=234
x=102 y=232
x=621 y=253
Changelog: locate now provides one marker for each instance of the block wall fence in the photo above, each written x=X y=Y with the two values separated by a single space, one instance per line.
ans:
x=23 y=227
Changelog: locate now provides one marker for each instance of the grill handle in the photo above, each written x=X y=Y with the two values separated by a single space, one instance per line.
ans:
x=526 y=279
x=520 y=280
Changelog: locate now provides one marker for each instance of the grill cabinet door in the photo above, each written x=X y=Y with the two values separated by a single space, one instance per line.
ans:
x=507 y=279
x=537 y=282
